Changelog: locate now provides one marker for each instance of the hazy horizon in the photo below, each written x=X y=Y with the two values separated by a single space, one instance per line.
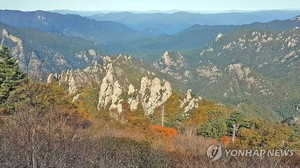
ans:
x=176 y=10
x=146 y=6
x=92 y=12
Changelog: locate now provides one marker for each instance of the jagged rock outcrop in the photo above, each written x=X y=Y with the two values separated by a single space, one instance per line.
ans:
x=211 y=72
x=173 y=64
x=18 y=50
x=110 y=91
x=118 y=88
x=76 y=79
x=189 y=102
x=153 y=93
x=240 y=80
x=242 y=73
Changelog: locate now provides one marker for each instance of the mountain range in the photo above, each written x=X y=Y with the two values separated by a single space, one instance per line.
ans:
x=251 y=67
x=70 y=25
x=176 y=22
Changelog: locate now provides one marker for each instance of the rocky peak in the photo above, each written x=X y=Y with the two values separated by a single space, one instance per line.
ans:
x=189 y=102
x=118 y=86
x=166 y=59
x=173 y=63
x=107 y=59
x=153 y=93
x=109 y=69
x=87 y=56
x=110 y=91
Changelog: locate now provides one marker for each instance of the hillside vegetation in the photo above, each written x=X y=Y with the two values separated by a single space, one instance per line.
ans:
x=43 y=127
x=75 y=92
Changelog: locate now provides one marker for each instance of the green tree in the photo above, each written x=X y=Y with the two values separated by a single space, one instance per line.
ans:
x=235 y=122
x=10 y=75
x=214 y=128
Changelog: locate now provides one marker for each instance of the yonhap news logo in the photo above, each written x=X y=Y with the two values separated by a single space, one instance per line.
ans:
x=216 y=152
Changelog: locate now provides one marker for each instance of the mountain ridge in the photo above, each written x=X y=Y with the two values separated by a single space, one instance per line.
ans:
x=172 y=23
x=71 y=25
x=236 y=66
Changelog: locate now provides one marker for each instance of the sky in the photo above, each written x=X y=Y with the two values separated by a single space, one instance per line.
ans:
x=149 y=5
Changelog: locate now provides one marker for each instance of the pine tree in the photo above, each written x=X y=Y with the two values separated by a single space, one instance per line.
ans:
x=10 y=76
x=236 y=121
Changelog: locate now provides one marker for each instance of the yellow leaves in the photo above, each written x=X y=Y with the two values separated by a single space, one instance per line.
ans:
x=265 y=134
x=87 y=103
x=250 y=138
x=172 y=105
x=40 y=95
x=201 y=114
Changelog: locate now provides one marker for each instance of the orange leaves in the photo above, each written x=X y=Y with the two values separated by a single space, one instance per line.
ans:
x=165 y=131
x=225 y=140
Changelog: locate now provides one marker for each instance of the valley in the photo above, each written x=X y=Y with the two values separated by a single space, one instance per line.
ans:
x=147 y=83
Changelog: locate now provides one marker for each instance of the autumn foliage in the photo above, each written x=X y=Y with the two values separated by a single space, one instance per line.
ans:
x=225 y=140
x=201 y=114
x=46 y=130
x=165 y=131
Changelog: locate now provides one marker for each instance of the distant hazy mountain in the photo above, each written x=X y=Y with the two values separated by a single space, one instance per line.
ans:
x=192 y=38
x=176 y=22
x=71 y=25
x=81 y=13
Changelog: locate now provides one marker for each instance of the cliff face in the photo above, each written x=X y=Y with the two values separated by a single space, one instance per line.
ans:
x=122 y=81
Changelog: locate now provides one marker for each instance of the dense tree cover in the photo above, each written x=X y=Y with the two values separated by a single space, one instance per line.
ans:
x=214 y=128
x=251 y=133
x=265 y=135
x=235 y=122
x=10 y=76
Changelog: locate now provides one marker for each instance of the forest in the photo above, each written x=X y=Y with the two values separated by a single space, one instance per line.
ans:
x=40 y=126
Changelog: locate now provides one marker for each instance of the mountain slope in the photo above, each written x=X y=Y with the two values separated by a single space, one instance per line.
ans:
x=253 y=67
x=71 y=25
x=40 y=53
x=125 y=84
